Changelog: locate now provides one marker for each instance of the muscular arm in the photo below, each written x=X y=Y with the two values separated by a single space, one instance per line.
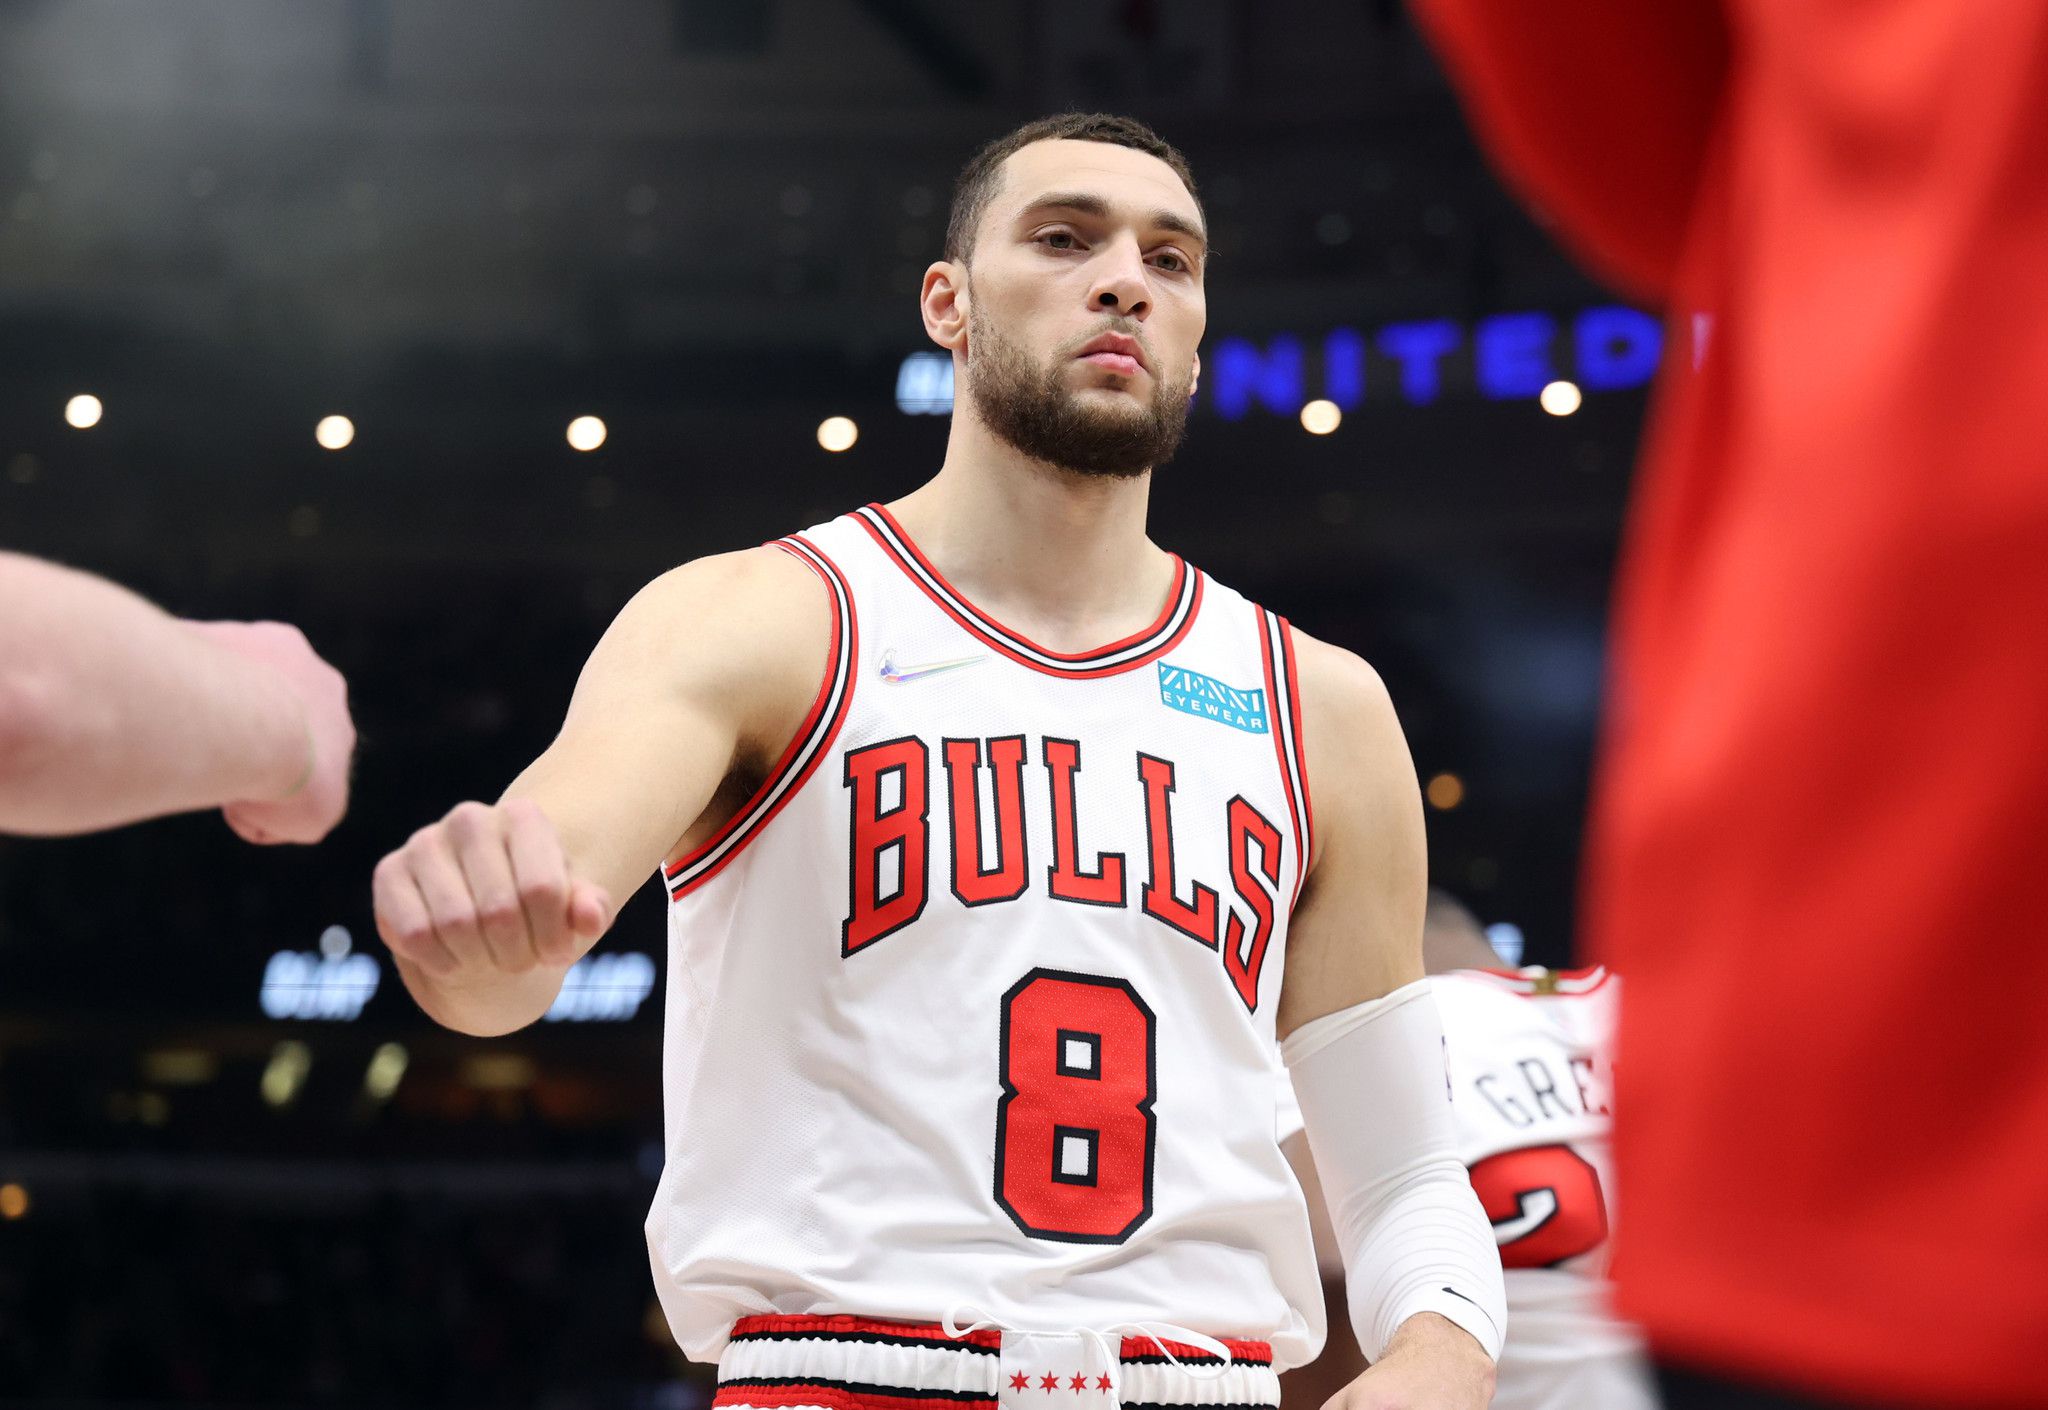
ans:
x=1357 y=933
x=1367 y=1060
x=711 y=667
x=112 y=711
x=1599 y=111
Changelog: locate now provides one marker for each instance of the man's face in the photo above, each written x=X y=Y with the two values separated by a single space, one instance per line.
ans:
x=1085 y=306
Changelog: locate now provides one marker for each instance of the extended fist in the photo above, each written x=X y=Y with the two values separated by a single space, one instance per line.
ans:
x=487 y=889
x=311 y=810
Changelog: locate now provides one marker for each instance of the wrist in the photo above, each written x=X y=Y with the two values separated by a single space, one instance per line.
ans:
x=312 y=760
x=1433 y=1334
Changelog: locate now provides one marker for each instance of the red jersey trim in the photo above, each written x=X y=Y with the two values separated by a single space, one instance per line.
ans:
x=1174 y=622
x=1551 y=983
x=813 y=738
x=1308 y=802
x=1144 y=1350
x=771 y=1328
x=1276 y=655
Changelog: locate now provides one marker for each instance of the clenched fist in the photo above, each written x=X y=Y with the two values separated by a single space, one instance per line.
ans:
x=310 y=811
x=487 y=890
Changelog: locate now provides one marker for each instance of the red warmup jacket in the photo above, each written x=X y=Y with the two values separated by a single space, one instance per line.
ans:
x=1824 y=787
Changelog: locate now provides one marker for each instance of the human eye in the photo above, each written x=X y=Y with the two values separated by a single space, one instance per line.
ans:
x=1057 y=239
x=1174 y=262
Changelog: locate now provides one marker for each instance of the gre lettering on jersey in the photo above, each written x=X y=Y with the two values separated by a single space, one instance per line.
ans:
x=1205 y=697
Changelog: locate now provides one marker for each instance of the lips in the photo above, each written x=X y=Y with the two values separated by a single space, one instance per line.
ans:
x=1115 y=353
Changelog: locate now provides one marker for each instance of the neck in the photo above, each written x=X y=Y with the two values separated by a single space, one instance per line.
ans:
x=1043 y=549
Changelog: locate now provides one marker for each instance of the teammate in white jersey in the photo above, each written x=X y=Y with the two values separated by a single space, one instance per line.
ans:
x=1530 y=1076
x=983 y=933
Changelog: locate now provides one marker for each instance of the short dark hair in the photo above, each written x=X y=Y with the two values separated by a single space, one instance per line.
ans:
x=977 y=182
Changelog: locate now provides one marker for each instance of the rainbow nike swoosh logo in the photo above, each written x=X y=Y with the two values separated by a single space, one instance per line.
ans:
x=896 y=674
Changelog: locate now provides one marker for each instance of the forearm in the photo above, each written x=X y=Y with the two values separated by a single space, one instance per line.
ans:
x=1374 y=1096
x=112 y=711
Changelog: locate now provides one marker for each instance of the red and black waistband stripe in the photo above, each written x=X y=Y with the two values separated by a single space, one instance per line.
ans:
x=769 y=1392
x=842 y=1326
x=1173 y=624
x=937 y=1341
x=1283 y=696
x=1144 y=1351
x=813 y=739
x=950 y=1397
x=1184 y=1405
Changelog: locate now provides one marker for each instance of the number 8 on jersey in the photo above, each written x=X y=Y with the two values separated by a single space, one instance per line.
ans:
x=1074 y=1128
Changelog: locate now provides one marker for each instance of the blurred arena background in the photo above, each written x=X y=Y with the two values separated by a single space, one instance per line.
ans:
x=237 y=1166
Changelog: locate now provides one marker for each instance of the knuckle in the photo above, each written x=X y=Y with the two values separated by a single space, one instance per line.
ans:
x=545 y=897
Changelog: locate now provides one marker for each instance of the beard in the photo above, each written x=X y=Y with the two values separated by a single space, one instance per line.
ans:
x=1033 y=409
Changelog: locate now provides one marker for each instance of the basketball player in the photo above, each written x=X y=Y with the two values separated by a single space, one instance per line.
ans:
x=1827 y=756
x=112 y=711
x=990 y=830
x=1530 y=1078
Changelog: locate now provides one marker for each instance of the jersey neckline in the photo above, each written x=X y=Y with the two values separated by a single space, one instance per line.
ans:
x=1165 y=633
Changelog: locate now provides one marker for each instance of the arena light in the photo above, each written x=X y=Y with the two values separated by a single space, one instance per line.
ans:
x=334 y=432
x=603 y=989
x=924 y=384
x=386 y=1070
x=1321 y=416
x=84 y=411
x=332 y=985
x=499 y=1072
x=1445 y=792
x=1560 y=398
x=13 y=1201
x=179 y=1067
x=285 y=1073
x=586 y=433
x=837 y=433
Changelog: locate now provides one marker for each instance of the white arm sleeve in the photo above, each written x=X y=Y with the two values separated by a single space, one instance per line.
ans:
x=1375 y=1098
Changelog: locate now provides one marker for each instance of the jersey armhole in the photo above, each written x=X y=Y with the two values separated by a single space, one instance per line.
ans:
x=1283 y=693
x=813 y=739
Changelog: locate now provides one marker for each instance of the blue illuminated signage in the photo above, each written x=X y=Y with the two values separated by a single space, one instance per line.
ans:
x=1505 y=357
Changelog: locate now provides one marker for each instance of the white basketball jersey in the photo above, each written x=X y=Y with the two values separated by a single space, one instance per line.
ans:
x=971 y=1006
x=1530 y=1076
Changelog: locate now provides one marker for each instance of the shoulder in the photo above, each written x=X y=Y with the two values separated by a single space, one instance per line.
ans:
x=1351 y=740
x=766 y=582
x=1575 y=1007
x=1338 y=687
x=1471 y=1002
x=749 y=629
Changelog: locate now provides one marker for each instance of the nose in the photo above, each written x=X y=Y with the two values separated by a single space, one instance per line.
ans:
x=1119 y=285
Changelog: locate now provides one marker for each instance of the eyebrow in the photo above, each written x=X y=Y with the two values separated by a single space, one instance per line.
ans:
x=1089 y=204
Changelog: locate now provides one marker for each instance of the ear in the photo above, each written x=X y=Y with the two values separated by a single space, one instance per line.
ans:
x=943 y=300
x=1195 y=382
